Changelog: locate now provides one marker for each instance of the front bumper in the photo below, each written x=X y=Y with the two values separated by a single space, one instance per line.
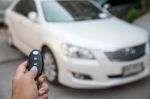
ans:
x=74 y=83
x=99 y=70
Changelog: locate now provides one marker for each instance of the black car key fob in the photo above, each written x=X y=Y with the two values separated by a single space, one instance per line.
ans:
x=36 y=59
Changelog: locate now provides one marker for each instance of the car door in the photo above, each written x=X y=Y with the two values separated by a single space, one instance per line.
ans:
x=17 y=17
x=31 y=28
x=26 y=29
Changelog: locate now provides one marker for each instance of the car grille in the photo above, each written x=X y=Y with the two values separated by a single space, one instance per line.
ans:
x=127 y=54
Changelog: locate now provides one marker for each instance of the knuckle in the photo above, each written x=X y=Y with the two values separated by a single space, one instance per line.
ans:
x=46 y=87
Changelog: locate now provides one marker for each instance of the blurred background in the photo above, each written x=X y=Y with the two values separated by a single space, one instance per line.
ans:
x=135 y=12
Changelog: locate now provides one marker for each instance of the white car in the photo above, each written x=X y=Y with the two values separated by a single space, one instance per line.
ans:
x=83 y=47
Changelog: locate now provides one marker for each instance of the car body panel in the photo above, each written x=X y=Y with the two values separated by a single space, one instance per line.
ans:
x=110 y=34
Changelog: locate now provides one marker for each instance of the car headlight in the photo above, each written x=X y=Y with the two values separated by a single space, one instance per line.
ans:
x=77 y=52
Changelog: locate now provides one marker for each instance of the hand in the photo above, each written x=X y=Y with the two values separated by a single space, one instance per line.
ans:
x=43 y=88
x=25 y=87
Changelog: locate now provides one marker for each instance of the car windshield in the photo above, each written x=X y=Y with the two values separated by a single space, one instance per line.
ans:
x=64 y=11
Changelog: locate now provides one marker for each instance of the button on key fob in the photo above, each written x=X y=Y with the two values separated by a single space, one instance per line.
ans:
x=36 y=59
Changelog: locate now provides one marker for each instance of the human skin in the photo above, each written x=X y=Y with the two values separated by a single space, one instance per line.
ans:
x=25 y=87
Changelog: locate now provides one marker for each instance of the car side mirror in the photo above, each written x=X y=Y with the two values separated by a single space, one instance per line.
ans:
x=106 y=6
x=33 y=16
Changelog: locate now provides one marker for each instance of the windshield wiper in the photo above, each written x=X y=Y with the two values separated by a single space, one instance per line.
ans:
x=82 y=18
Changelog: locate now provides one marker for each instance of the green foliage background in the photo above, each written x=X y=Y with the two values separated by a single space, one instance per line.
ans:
x=134 y=13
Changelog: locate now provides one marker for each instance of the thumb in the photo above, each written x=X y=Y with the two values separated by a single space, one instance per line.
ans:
x=33 y=72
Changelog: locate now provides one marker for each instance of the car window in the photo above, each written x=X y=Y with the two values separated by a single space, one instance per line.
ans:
x=25 y=6
x=101 y=1
x=62 y=11
x=121 y=2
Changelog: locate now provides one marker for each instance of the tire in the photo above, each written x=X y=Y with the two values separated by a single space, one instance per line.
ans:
x=50 y=67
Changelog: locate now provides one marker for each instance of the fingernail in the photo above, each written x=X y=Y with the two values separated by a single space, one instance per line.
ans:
x=34 y=68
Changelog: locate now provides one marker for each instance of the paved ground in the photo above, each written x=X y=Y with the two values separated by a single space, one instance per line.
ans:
x=144 y=22
x=136 y=90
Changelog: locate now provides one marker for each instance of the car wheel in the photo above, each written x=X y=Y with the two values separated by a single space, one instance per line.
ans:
x=50 y=67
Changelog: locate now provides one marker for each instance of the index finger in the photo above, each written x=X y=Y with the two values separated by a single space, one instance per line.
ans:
x=21 y=69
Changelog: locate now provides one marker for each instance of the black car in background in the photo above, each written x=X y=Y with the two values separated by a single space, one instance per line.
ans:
x=3 y=6
x=119 y=7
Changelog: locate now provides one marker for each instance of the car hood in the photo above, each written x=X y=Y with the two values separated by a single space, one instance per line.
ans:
x=107 y=34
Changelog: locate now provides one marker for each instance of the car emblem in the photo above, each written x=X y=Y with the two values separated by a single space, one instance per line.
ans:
x=130 y=51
